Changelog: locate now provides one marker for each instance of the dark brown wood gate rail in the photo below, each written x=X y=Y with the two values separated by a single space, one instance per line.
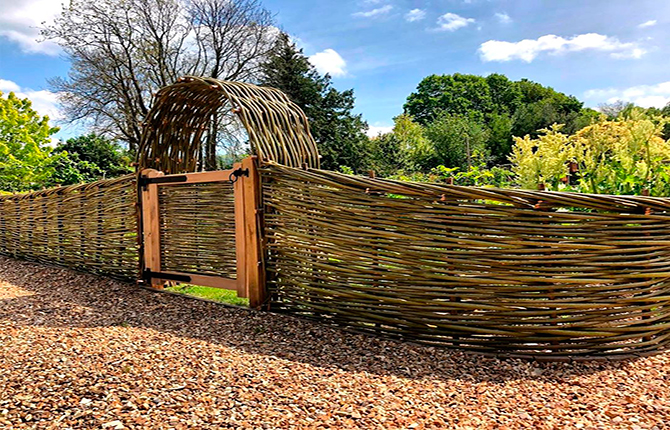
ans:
x=250 y=278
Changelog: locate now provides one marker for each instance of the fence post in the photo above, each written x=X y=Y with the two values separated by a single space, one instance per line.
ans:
x=151 y=226
x=240 y=244
x=254 y=276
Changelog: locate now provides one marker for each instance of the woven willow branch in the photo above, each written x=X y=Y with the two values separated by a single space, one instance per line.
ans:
x=519 y=273
x=174 y=128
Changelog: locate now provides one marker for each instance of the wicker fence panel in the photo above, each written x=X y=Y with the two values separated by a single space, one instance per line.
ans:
x=91 y=227
x=197 y=223
x=509 y=272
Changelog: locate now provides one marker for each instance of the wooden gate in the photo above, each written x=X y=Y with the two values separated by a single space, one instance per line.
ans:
x=190 y=221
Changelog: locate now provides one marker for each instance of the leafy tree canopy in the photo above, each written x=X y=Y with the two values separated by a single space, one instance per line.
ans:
x=97 y=156
x=339 y=134
x=506 y=108
x=25 y=161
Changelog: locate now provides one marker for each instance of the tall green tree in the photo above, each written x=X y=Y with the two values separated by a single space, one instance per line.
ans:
x=505 y=108
x=97 y=156
x=25 y=157
x=457 y=140
x=339 y=133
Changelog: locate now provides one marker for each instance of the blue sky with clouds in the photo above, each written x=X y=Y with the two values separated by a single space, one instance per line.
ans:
x=599 y=51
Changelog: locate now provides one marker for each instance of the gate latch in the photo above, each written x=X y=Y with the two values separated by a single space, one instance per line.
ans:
x=235 y=174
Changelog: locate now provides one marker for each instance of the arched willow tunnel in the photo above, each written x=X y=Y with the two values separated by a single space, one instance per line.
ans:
x=532 y=274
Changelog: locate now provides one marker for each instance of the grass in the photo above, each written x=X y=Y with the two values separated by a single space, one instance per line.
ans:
x=216 y=294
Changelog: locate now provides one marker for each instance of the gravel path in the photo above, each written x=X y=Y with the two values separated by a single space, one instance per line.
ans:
x=78 y=351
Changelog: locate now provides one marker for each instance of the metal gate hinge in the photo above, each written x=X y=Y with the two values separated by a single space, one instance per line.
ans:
x=235 y=174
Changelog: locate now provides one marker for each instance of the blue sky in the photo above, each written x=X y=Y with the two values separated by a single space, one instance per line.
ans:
x=599 y=51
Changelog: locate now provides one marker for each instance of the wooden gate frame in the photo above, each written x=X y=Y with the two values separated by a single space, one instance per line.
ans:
x=250 y=280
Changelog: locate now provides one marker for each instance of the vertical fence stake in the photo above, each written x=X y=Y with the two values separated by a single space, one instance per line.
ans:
x=647 y=212
x=255 y=267
x=151 y=226
x=240 y=243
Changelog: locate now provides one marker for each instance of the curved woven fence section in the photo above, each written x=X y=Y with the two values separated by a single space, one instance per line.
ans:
x=90 y=227
x=505 y=272
x=174 y=128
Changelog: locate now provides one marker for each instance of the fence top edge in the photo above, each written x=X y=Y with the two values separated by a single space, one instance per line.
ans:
x=516 y=197
x=104 y=183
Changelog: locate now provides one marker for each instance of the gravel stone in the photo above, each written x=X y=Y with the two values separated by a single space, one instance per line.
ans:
x=79 y=351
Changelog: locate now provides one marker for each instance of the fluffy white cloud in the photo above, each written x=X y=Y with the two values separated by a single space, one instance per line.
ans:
x=376 y=130
x=503 y=18
x=528 y=49
x=452 y=22
x=650 y=23
x=415 y=15
x=642 y=95
x=20 y=21
x=374 y=12
x=44 y=102
x=329 y=61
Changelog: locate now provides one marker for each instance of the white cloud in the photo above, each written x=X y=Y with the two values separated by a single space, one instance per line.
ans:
x=415 y=15
x=650 y=23
x=642 y=95
x=374 y=12
x=452 y=22
x=329 y=61
x=376 y=130
x=503 y=18
x=20 y=20
x=528 y=49
x=43 y=101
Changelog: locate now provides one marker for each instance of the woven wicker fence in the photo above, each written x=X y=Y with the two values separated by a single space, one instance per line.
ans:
x=198 y=229
x=510 y=272
x=91 y=227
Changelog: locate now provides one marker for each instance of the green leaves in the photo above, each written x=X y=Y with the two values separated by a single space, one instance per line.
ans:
x=339 y=133
x=27 y=162
x=624 y=156
x=24 y=154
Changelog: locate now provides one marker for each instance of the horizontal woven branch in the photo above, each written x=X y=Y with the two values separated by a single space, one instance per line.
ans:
x=90 y=227
x=512 y=272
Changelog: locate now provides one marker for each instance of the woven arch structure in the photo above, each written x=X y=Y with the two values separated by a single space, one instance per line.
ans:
x=174 y=128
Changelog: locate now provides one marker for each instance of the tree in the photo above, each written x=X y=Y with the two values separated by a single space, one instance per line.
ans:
x=90 y=158
x=121 y=52
x=504 y=107
x=453 y=94
x=25 y=162
x=614 y=109
x=339 y=134
x=457 y=140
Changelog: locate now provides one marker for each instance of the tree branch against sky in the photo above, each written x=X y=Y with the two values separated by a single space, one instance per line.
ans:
x=122 y=52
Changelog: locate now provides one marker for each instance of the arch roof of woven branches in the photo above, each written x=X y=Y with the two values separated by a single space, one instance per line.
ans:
x=176 y=126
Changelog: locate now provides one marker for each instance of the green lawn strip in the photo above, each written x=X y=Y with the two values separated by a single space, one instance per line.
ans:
x=217 y=294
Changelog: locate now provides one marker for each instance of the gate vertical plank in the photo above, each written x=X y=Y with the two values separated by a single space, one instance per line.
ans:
x=240 y=249
x=151 y=226
x=255 y=270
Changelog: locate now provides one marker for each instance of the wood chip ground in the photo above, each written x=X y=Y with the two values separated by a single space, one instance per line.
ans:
x=78 y=351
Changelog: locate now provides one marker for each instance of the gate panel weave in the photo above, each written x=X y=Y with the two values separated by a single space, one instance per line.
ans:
x=509 y=272
x=197 y=223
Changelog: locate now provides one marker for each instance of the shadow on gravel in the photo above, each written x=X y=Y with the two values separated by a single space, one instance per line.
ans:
x=56 y=297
